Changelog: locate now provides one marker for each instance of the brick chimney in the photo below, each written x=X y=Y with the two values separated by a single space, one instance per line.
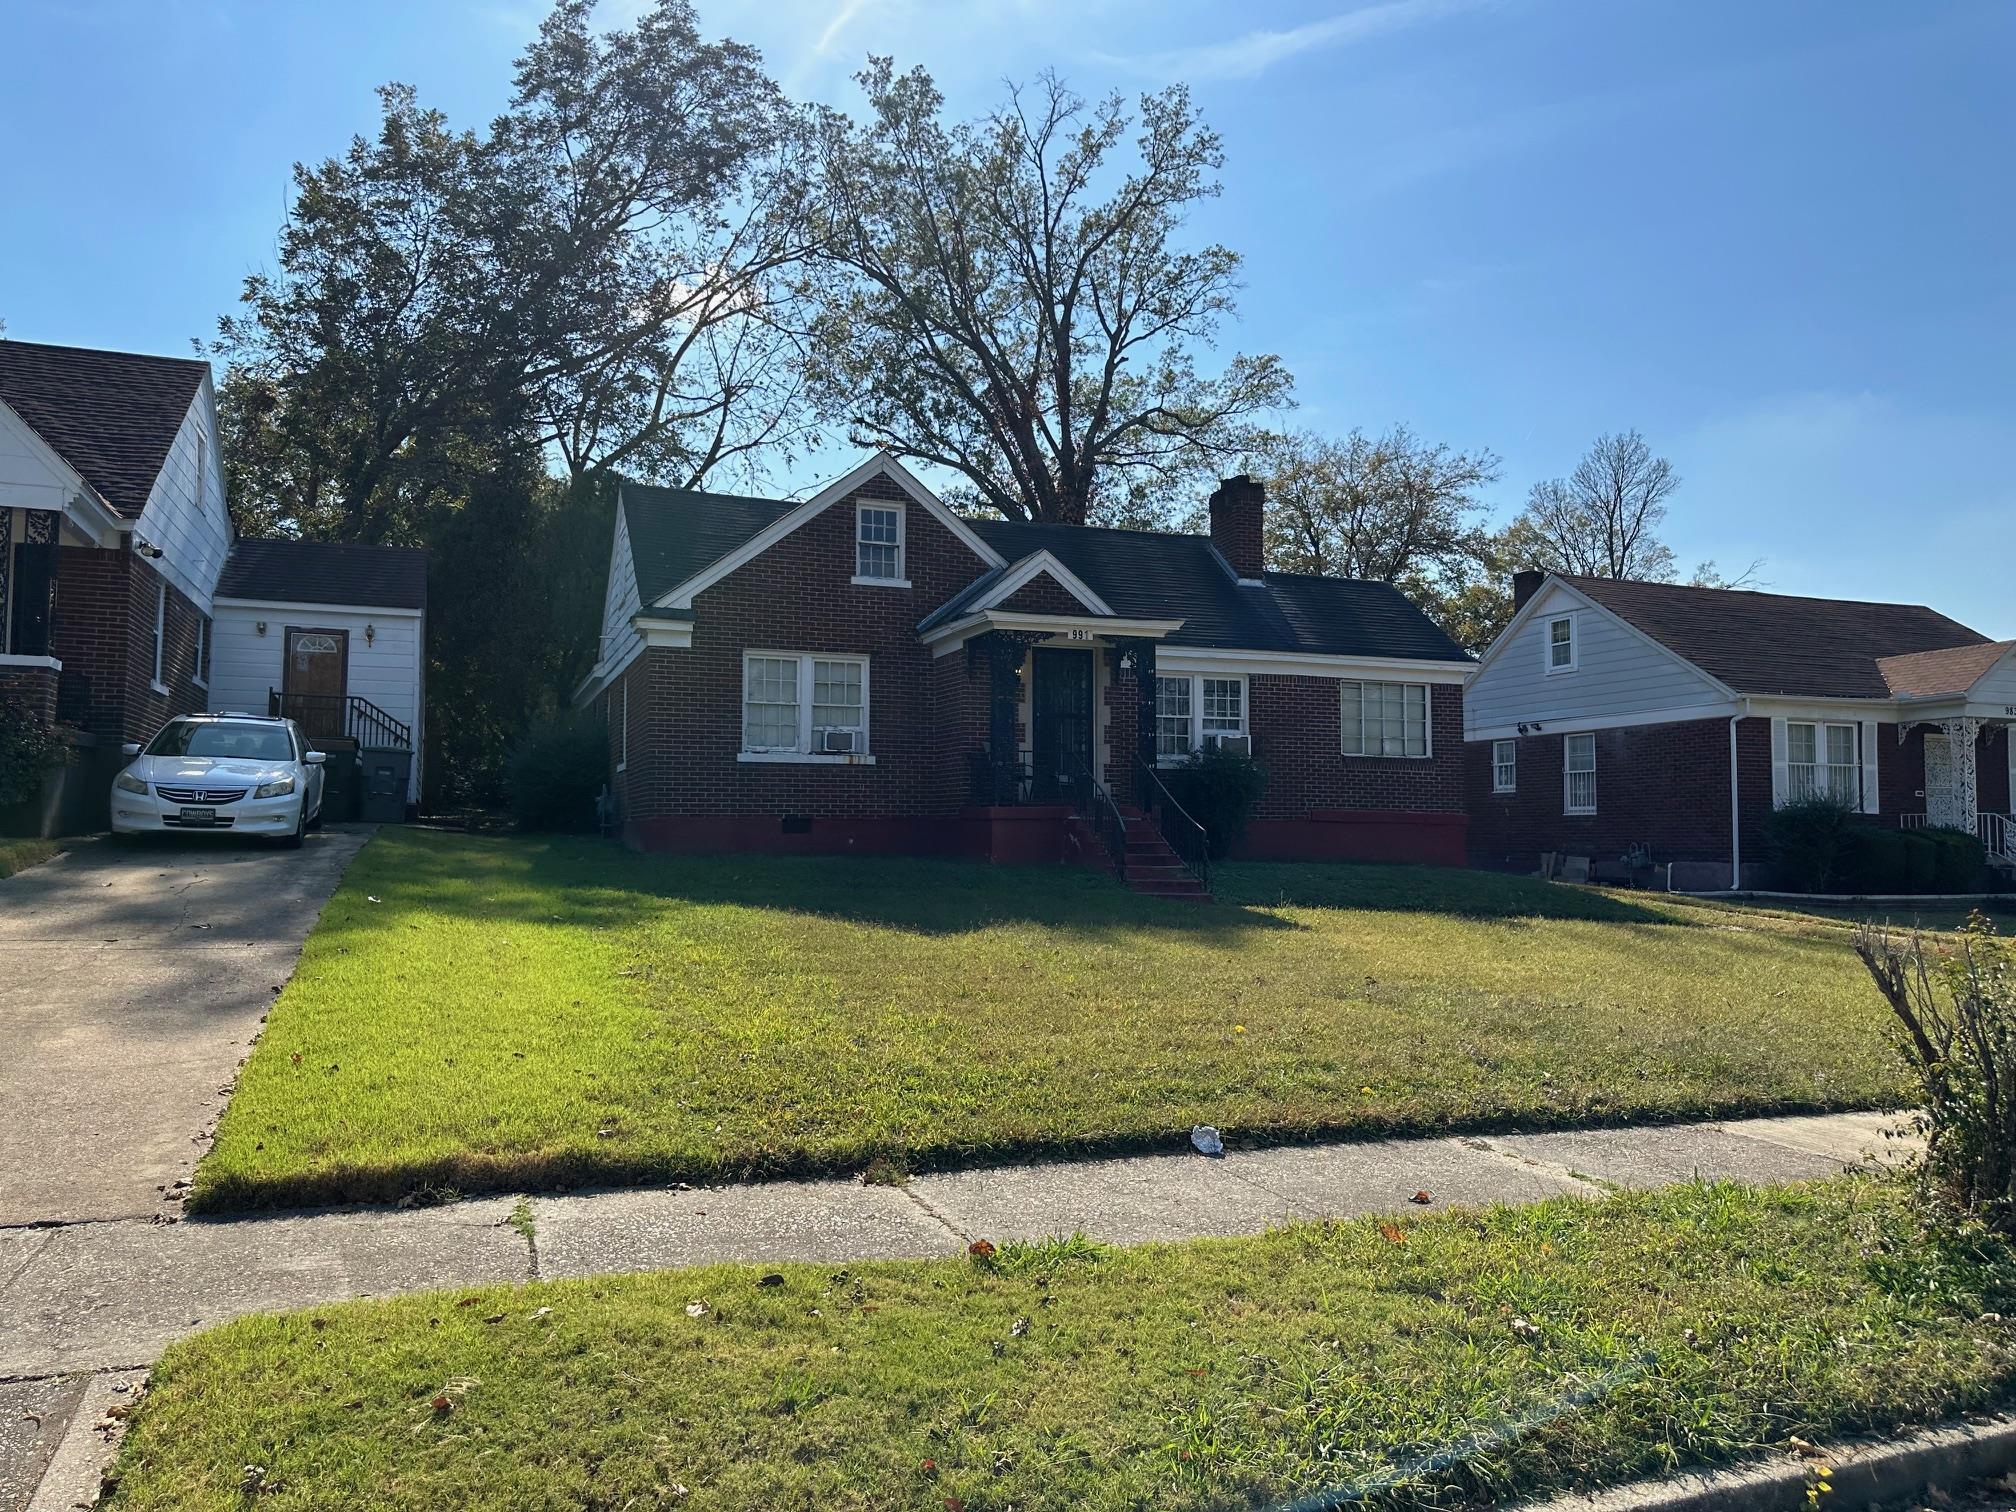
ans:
x=1238 y=509
x=1524 y=586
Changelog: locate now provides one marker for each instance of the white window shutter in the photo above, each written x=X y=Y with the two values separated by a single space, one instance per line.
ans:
x=1781 y=764
x=1872 y=791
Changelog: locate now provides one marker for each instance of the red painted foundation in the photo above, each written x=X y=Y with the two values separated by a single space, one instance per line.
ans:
x=1011 y=836
x=1434 y=839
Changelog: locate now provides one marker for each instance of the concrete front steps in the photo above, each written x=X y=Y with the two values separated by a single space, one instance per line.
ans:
x=1150 y=866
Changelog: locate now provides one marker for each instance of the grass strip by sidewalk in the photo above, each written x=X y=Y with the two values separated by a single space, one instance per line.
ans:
x=509 y=1013
x=1547 y=1347
x=19 y=855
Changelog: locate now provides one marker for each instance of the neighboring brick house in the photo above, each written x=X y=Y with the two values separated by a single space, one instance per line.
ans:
x=868 y=671
x=113 y=534
x=1615 y=716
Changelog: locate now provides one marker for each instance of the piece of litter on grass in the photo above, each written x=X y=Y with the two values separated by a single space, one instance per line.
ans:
x=540 y=1312
x=775 y=1278
x=368 y=898
x=1524 y=1330
x=1207 y=1140
x=696 y=1309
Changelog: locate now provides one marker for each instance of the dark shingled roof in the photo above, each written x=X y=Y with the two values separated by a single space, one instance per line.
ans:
x=1938 y=674
x=110 y=415
x=674 y=532
x=320 y=572
x=1146 y=574
x=1770 y=643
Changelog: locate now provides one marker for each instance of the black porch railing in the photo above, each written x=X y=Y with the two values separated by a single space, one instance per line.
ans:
x=340 y=716
x=1096 y=807
x=1189 y=839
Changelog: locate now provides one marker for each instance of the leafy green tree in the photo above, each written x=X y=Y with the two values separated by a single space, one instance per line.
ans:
x=1000 y=298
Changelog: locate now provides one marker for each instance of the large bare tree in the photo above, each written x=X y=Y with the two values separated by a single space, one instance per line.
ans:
x=1003 y=301
x=1602 y=520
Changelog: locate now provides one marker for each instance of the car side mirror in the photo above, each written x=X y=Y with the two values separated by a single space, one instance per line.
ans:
x=131 y=748
x=316 y=758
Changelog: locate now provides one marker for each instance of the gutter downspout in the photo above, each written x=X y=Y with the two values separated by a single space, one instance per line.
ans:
x=1735 y=810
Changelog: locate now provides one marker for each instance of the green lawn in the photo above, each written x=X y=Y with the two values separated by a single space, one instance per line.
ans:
x=1519 y=1351
x=480 y=1013
x=19 y=855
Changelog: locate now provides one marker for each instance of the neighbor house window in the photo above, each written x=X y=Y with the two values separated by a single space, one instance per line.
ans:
x=1385 y=719
x=622 y=726
x=1822 y=762
x=1579 y=775
x=790 y=703
x=1561 y=644
x=202 y=664
x=1192 y=712
x=160 y=631
x=878 y=543
x=1504 y=766
x=202 y=457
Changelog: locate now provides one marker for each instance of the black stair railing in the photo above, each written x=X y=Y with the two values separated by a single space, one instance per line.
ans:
x=342 y=716
x=1096 y=807
x=1185 y=836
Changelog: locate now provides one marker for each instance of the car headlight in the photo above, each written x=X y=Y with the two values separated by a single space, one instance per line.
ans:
x=126 y=782
x=279 y=787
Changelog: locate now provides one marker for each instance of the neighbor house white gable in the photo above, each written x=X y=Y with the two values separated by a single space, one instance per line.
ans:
x=31 y=475
x=185 y=514
x=1619 y=675
x=621 y=601
x=1998 y=684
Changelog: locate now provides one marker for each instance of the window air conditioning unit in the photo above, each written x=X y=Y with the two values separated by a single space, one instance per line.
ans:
x=838 y=742
x=1229 y=745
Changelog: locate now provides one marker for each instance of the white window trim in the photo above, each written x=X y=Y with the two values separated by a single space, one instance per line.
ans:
x=1547 y=644
x=902 y=578
x=196 y=667
x=160 y=635
x=202 y=459
x=1820 y=763
x=1498 y=784
x=1427 y=718
x=802 y=753
x=1568 y=806
x=1197 y=681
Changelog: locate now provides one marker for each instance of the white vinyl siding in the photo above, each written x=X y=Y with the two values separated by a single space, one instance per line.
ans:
x=1384 y=719
x=1504 y=766
x=184 y=515
x=1618 y=673
x=1821 y=761
x=790 y=698
x=1190 y=707
x=1578 y=774
x=878 y=544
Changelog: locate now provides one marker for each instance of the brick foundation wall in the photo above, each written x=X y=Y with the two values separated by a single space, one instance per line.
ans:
x=1664 y=786
x=33 y=688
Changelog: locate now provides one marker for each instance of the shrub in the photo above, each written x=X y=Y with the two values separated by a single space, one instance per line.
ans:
x=1956 y=1011
x=1805 y=841
x=1220 y=791
x=1873 y=859
x=556 y=772
x=29 y=747
x=1957 y=859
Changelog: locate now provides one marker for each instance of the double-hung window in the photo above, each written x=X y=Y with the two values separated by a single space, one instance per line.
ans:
x=1822 y=762
x=804 y=705
x=1504 y=766
x=201 y=665
x=1578 y=774
x=1561 y=644
x=160 y=634
x=1384 y=719
x=1193 y=711
x=878 y=544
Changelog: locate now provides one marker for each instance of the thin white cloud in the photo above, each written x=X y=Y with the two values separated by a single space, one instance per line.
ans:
x=1252 y=54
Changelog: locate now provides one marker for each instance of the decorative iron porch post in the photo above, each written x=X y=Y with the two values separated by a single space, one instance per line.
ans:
x=1002 y=653
x=1963 y=754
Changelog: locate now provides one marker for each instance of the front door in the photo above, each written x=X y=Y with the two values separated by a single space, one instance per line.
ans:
x=1945 y=804
x=315 y=678
x=1060 y=723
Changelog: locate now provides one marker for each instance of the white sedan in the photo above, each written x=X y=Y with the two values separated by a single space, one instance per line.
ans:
x=236 y=772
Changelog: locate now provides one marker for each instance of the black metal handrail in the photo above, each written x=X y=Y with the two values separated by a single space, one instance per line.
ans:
x=1189 y=839
x=340 y=714
x=1096 y=807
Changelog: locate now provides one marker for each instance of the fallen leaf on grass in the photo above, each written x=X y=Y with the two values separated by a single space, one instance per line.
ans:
x=1421 y=1197
x=1392 y=1233
x=981 y=1249
x=775 y=1278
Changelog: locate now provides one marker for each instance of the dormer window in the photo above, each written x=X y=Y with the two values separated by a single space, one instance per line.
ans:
x=878 y=545
x=1561 y=649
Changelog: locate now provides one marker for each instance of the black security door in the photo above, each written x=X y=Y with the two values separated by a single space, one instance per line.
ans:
x=1060 y=722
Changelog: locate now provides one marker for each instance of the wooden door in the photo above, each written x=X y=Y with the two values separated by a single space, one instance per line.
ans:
x=315 y=678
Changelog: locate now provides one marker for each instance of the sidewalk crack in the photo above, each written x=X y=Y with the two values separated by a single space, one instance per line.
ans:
x=1594 y=1184
x=935 y=1216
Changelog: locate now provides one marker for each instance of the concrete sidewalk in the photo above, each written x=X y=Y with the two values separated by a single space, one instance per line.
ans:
x=100 y=1296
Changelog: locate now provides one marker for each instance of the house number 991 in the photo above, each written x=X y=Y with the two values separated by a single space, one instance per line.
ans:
x=1087 y=635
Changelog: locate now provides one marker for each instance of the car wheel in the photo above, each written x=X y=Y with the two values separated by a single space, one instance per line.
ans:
x=293 y=841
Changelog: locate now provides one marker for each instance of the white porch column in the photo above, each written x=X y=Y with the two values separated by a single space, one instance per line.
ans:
x=1964 y=754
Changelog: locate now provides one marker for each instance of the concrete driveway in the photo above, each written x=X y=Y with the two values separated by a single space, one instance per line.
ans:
x=132 y=981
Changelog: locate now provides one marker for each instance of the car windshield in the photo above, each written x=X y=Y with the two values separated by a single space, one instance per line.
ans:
x=224 y=740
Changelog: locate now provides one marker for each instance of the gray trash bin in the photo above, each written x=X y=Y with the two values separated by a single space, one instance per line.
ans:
x=382 y=793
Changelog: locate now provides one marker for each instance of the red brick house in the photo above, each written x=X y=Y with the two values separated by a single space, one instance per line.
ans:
x=114 y=535
x=1614 y=716
x=868 y=671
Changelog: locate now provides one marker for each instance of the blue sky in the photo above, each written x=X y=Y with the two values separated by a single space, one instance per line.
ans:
x=1776 y=238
